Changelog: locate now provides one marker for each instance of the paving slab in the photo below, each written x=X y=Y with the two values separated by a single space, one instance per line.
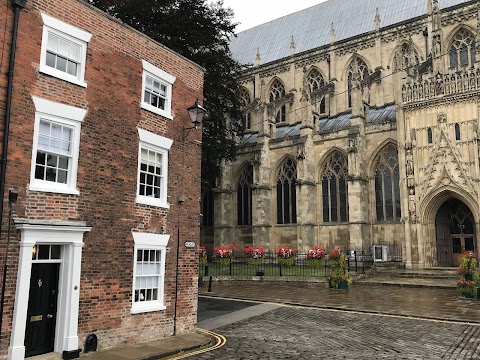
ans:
x=156 y=349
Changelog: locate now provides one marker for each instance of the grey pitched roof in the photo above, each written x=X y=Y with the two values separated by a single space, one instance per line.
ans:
x=249 y=138
x=310 y=27
x=288 y=131
x=343 y=121
x=339 y=122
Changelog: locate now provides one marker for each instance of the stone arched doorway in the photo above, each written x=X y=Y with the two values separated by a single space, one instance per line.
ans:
x=455 y=232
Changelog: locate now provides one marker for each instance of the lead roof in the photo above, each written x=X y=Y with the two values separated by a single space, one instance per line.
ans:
x=310 y=27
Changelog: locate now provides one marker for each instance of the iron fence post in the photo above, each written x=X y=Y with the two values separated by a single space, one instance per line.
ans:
x=363 y=262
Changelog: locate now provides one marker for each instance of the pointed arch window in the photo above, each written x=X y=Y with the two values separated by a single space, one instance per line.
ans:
x=405 y=58
x=387 y=185
x=245 y=100
x=287 y=193
x=207 y=208
x=462 y=50
x=244 y=196
x=362 y=69
x=277 y=91
x=315 y=81
x=335 y=189
x=457 y=131
x=429 y=135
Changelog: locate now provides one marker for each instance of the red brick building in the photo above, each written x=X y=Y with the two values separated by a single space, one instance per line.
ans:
x=105 y=175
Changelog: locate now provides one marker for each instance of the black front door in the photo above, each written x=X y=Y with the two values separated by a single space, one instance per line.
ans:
x=42 y=309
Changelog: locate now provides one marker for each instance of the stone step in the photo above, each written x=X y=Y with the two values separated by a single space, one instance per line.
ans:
x=407 y=282
x=430 y=273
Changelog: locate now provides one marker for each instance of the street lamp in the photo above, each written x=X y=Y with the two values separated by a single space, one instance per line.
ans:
x=196 y=112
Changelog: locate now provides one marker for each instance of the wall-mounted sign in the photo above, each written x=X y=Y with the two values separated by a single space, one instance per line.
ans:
x=189 y=244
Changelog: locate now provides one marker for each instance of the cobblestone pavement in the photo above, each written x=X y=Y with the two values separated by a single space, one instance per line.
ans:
x=305 y=333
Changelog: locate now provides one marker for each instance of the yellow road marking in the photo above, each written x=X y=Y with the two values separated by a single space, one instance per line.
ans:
x=221 y=341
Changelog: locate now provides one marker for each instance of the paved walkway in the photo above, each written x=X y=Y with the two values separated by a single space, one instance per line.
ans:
x=426 y=302
x=152 y=350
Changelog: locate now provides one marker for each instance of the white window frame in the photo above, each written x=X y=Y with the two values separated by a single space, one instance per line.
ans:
x=65 y=115
x=147 y=241
x=160 y=145
x=70 y=33
x=163 y=77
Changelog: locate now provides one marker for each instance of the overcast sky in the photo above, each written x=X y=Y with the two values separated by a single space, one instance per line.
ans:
x=250 y=13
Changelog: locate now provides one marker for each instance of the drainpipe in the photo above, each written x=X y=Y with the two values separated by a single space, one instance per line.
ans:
x=17 y=6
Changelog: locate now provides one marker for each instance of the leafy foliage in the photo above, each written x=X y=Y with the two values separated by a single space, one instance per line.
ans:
x=468 y=283
x=339 y=268
x=200 y=31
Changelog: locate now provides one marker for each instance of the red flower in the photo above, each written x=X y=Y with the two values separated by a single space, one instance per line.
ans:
x=254 y=252
x=316 y=253
x=285 y=252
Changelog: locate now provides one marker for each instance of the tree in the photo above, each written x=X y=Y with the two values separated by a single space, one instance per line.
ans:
x=200 y=31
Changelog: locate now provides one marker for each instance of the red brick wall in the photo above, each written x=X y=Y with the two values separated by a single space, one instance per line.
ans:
x=107 y=169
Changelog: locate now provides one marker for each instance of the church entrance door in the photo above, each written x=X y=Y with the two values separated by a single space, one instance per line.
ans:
x=455 y=228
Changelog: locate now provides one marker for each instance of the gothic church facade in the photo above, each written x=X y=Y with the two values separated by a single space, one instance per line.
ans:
x=361 y=127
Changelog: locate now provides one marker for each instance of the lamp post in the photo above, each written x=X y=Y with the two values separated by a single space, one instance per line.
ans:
x=196 y=112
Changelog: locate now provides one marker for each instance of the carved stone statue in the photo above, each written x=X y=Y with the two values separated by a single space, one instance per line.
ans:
x=409 y=168
x=301 y=152
x=409 y=163
x=412 y=207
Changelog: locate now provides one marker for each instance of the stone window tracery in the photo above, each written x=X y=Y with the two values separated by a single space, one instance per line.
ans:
x=405 y=57
x=287 y=193
x=387 y=185
x=356 y=65
x=462 y=50
x=277 y=91
x=315 y=81
x=245 y=100
x=244 y=196
x=335 y=189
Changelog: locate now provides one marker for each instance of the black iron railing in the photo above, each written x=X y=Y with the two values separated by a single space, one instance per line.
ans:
x=359 y=260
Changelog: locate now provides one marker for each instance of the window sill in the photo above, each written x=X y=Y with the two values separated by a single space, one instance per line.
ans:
x=55 y=188
x=145 y=309
x=61 y=75
x=156 y=110
x=144 y=200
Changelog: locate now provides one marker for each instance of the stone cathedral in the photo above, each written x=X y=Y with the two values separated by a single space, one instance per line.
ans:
x=361 y=123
